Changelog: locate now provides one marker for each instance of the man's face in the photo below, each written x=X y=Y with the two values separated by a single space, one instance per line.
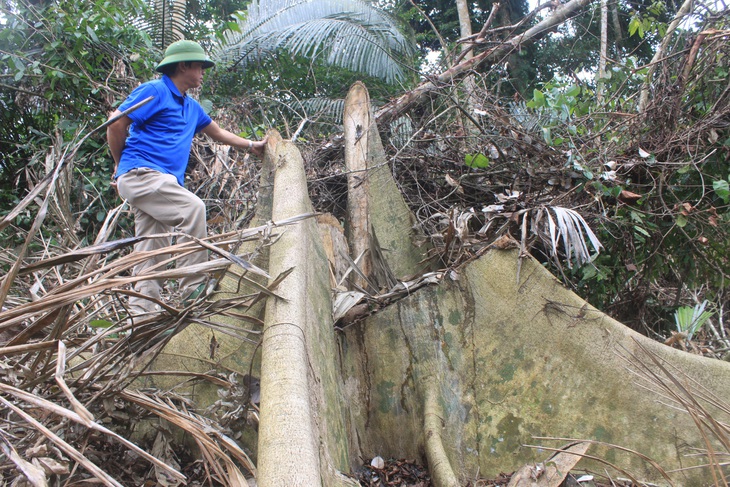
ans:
x=194 y=74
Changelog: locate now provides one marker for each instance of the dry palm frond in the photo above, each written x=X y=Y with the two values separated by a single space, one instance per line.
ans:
x=624 y=472
x=55 y=409
x=35 y=475
x=215 y=446
x=554 y=223
x=708 y=412
x=64 y=446
x=49 y=183
x=344 y=301
x=55 y=359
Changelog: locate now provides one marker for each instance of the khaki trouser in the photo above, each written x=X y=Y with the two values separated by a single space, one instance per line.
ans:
x=161 y=205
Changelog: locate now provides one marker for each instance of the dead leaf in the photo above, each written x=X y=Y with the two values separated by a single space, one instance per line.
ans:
x=162 y=450
x=677 y=337
x=713 y=137
x=344 y=302
x=560 y=465
x=454 y=183
x=51 y=466
x=713 y=218
x=33 y=473
x=628 y=197
x=505 y=242
x=527 y=476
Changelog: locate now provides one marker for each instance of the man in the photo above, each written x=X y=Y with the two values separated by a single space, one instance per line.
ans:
x=150 y=147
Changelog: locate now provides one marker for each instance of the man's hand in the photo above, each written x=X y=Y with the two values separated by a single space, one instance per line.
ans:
x=215 y=132
x=258 y=148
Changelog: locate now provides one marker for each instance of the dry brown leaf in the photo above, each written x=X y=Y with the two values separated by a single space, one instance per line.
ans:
x=33 y=473
x=628 y=197
x=51 y=466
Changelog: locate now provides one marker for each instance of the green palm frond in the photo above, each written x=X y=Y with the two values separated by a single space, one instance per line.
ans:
x=347 y=33
x=322 y=109
x=690 y=319
x=165 y=21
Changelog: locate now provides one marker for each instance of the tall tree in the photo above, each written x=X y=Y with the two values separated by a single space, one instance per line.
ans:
x=604 y=50
x=440 y=24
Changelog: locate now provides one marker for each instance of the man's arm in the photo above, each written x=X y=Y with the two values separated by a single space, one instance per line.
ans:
x=116 y=136
x=215 y=132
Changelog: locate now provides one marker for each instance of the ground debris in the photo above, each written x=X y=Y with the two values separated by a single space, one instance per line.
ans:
x=395 y=473
x=500 y=481
x=574 y=479
x=405 y=473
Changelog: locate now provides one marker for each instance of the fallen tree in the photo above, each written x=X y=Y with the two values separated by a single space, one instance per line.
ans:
x=469 y=371
x=474 y=368
x=412 y=98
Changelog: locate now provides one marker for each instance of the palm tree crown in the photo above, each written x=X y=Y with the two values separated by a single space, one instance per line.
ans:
x=348 y=33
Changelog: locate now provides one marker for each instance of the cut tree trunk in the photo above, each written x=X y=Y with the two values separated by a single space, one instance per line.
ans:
x=465 y=373
x=356 y=121
x=301 y=404
x=513 y=361
x=385 y=221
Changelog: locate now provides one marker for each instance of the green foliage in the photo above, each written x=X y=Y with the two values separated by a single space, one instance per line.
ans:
x=478 y=161
x=664 y=204
x=722 y=190
x=659 y=239
x=291 y=79
x=100 y=324
x=558 y=104
x=574 y=48
x=350 y=34
x=649 y=22
x=690 y=319
x=65 y=63
x=290 y=89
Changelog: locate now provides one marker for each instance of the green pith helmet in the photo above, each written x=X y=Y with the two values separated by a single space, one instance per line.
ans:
x=185 y=51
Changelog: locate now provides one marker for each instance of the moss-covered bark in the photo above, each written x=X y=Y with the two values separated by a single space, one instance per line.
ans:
x=514 y=361
x=463 y=374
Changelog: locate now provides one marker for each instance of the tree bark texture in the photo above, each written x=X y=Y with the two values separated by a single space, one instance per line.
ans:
x=462 y=8
x=438 y=462
x=377 y=209
x=466 y=372
x=357 y=122
x=288 y=448
x=301 y=430
x=514 y=361
x=604 y=50
x=683 y=11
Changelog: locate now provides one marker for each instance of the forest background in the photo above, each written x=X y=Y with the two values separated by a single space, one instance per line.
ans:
x=631 y=131
x=611 y=127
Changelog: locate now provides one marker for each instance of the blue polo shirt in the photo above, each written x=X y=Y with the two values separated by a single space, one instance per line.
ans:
x=162 y=131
